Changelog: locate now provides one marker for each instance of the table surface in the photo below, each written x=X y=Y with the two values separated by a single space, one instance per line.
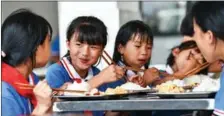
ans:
x=142 y=102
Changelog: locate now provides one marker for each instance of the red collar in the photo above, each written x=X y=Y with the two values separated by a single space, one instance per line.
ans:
x=11 y=76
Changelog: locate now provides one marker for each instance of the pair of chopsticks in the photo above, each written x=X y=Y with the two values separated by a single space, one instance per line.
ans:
x=27 y=86
x=112 y=62
x=195 y=70
x=126 y=67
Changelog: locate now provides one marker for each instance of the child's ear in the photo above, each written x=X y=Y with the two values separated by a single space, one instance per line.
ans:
x=120 y=49
x=68 y=44
x=210 y=37
x=175 y=51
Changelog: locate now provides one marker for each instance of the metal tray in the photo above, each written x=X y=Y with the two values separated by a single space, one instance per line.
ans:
x=105 y=97
x=95 y=97
x=186 y=95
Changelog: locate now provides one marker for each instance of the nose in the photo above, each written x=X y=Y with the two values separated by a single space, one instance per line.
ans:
x=85 y=50
x=144 y=50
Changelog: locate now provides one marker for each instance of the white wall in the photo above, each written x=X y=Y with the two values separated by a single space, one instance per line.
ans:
x=105 y=11
x=47 y=9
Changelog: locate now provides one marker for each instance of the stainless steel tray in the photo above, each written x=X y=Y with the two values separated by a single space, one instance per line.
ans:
x=186 y=95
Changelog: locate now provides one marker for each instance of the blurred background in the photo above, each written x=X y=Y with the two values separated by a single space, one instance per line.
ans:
x=163 y=17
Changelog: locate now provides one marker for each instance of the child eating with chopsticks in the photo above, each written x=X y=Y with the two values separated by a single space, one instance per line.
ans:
x=86 y=39
x=25 y=36
x=180 y=61
x=133 y=48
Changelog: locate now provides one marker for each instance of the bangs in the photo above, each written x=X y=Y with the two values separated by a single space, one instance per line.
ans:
x=143 y=37
x=90 y=35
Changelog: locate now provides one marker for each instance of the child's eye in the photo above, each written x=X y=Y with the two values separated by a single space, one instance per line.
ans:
x=94 y=47
x=137 y=46
x=78 y=44
x=149 y=48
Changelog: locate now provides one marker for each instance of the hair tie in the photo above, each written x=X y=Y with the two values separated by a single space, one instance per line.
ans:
x=3 y=54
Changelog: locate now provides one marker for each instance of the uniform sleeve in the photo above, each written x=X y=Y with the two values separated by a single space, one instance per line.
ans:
x=55 y=76
x=10 y=103
x=10 y=107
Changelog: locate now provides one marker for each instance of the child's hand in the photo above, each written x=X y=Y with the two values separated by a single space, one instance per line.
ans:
x=112 y=73
x=43 y=94
x=197 y=55
x=151 y=75
x=137 y=79
x=64 y=86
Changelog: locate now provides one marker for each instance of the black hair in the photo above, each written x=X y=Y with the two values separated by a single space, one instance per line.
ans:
x=127 y=32
x=22 y=32
x=186 y=28
x=183 y=46
x=209 y=15
x=89 y=29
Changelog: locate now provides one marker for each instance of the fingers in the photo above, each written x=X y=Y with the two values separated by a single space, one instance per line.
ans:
x=42 y=89
x=64 y=86
x=198 y=56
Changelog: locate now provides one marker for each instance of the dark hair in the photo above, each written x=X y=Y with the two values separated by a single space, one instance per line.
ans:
x=89 y=29
x=22 y=32
x=209 y=15
x=127 y=32
x=186 y=28
x=183 y=46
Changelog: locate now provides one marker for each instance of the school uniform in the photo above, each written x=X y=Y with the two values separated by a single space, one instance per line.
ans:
x=15 y=101
x=219 y=98
x=63 y=71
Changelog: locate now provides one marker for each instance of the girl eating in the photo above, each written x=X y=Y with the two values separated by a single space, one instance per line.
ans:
x=133 y=47
x=25 y=36
x=86 y=39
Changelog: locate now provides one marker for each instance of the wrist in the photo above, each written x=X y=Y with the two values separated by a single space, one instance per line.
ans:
x=41 y=109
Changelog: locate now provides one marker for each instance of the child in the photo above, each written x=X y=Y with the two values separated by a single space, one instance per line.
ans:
x=181 y=60
x=86 y=39
x=187 y=32
x=208 y=34
x=133 y=47
x=25 y=36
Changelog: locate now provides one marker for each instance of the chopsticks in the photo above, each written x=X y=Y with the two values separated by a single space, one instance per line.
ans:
x=112 y=62
x=197 y=69
x=27 y=86
x=126 y=67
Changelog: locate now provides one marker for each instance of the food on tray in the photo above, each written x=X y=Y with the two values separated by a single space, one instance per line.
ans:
x=208 y=84
x=133 y=86
x=169 y=88
x=78 y=86
x=176 y=82
x=93 y=92
x=117 y=90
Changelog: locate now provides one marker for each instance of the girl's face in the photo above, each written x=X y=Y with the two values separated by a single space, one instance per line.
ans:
x=136 y=53
x=43 y=53
x=205 y=43
x=184 y=61
x=83 y=55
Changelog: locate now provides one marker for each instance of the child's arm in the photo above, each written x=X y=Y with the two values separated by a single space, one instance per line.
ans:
x=109 y=74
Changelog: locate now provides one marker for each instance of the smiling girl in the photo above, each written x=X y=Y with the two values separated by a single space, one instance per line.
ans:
x=86 y=39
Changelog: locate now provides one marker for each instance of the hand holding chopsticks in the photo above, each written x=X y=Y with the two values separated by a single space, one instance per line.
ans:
x=112 y=62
